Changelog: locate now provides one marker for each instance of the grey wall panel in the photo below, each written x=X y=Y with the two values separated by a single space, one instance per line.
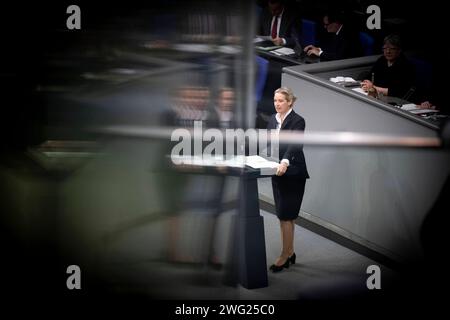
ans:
x=379 y=195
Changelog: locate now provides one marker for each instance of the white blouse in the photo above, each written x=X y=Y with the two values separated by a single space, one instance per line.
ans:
x=278 y=118
x=279 y=123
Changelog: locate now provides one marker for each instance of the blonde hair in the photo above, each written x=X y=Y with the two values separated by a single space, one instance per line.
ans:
x=287 y=92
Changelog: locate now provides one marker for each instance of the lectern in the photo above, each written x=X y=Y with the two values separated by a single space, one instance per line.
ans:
x=246 y=263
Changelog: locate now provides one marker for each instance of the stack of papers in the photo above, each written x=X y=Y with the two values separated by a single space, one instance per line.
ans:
x=284 y=51
x=342 y=79
x=346 y=81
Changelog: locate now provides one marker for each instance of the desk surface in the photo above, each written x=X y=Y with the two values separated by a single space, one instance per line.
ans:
x=290 y=59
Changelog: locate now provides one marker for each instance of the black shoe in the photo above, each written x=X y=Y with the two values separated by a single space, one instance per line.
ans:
x=292 y=258
x=276 y=268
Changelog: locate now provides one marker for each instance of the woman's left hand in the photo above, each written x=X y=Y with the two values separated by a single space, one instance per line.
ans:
x=426 y=105
x=282 y=168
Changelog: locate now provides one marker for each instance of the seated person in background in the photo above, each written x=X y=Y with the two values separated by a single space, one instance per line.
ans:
x=280 y=23
x=225 y=108
x=392 y=73
x=223 y=114
x=339 y=42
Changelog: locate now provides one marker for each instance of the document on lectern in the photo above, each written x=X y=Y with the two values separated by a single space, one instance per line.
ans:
x=258 y=162
x=267 y=167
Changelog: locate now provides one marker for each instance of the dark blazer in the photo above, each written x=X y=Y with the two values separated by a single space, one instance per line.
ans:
x=289 y=28
x=344 y=45
x=294 y=153
x=398 y=78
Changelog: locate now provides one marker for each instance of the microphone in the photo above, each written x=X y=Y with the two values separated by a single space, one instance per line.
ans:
x=409 y=93
x=298 y=49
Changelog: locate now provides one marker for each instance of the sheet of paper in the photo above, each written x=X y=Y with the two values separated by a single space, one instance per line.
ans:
x=360 y=90
x=258 y=162
x=423 y=111
x=284 y=51
x=408 y=107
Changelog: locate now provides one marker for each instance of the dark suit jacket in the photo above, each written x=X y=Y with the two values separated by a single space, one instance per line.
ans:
x=344 y=45
x=289 y=28
x=294 y=153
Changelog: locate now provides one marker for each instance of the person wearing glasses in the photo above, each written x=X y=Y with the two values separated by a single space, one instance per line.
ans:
x=340 y=41
x=392 y=75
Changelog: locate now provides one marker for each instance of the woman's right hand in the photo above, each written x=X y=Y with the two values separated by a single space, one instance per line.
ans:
x=366 y=85
x=282 y=168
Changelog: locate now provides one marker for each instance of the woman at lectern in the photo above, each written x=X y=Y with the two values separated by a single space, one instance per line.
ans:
x=289 y=182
